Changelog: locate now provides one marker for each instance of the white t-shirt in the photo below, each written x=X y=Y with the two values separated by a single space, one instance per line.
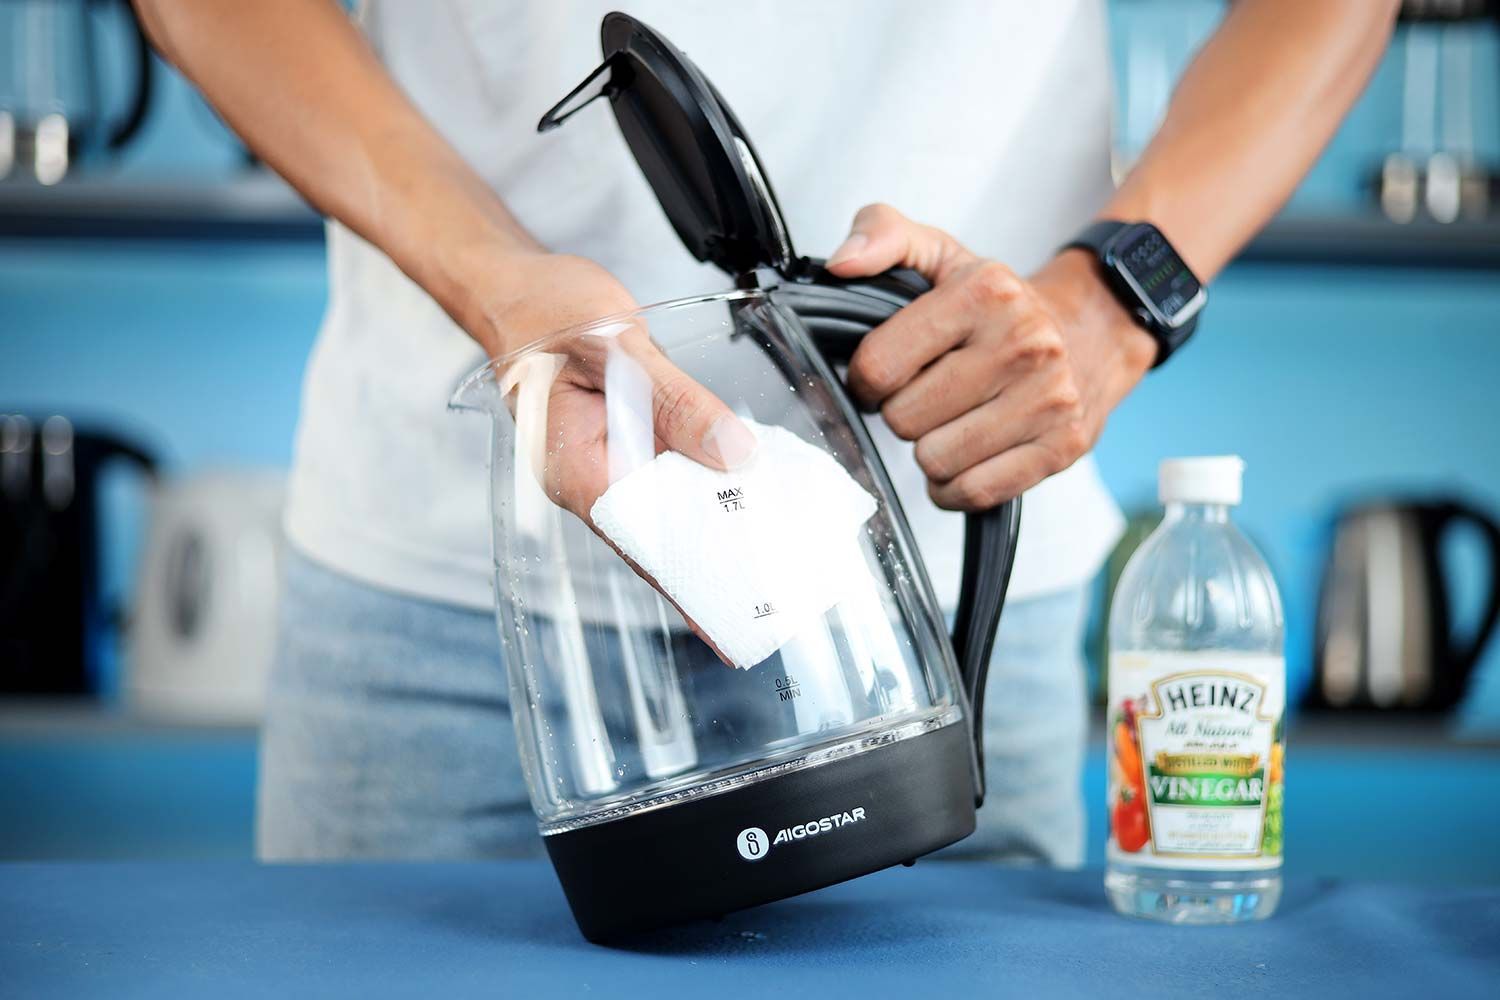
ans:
x=988 y=120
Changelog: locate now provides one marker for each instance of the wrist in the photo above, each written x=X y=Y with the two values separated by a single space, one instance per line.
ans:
x=455 y=238
x=1091 y=315
x=479 y=282
x=512 y=296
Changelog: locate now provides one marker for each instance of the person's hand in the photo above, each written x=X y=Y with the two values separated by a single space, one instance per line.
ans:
x=559 y=291
x=1000 y=380
x=572 y=462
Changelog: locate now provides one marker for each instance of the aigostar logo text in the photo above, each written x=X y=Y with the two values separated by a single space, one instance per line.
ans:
x=753 y=844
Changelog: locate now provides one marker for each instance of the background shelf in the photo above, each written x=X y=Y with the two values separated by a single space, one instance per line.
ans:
x=260 y=206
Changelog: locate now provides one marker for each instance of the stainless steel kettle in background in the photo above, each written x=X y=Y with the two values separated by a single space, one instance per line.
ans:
x=1386 y=631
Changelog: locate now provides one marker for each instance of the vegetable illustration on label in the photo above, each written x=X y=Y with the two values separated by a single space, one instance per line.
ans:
x=1128 y=811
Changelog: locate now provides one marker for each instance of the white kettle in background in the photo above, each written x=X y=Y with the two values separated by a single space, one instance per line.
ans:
x=203 y=628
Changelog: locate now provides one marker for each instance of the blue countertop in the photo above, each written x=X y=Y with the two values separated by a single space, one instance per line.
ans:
x=1400 y=804
x=226 y=929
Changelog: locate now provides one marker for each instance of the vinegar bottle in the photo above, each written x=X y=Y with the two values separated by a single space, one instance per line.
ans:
x=1194 y=727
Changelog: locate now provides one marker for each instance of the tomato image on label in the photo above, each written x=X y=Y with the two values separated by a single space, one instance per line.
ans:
x=1130 y=826
x=1128 y=820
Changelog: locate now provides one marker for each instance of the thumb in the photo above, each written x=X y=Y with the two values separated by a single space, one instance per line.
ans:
x=689 y=419
x=881 y=238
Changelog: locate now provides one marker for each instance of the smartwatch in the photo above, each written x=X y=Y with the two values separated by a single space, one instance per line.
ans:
x=1149 y=278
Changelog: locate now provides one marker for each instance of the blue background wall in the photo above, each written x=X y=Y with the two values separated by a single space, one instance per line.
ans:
x=1332 y=383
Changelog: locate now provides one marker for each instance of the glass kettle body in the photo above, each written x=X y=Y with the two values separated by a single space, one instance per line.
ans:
x=670 y=777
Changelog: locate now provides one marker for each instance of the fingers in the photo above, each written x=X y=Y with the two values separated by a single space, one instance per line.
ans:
x=1028 y=410
x=995 y=480
x=575 y=439
x=945 y=390
x=1016 y=348
x=616 y=401
x=1034 y=428
x=972 y=437
x=881 y=238
x=687 y=418
x=891 y=355
x=983 y=296
x=1011 y=468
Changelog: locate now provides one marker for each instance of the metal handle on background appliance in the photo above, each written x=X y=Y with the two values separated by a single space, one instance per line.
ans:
x=836 y=322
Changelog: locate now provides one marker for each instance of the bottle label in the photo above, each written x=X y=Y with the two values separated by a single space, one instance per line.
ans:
x=1195 y=759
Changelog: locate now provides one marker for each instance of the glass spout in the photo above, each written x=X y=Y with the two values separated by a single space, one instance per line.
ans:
x=477 y=391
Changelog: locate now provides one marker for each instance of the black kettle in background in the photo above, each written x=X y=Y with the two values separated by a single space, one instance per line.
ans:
x=52 y=611
x=1385 y=632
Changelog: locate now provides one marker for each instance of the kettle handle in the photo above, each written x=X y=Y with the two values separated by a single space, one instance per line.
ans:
x=989 y=552
x=1464 y=660
x=837 y=323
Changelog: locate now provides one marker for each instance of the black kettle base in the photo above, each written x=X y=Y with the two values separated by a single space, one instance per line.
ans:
x=774 y=838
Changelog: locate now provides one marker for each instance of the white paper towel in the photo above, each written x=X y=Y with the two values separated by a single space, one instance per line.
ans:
x=752 y=556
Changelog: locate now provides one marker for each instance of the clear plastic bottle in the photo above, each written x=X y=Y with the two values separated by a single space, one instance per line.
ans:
x=1194 y=728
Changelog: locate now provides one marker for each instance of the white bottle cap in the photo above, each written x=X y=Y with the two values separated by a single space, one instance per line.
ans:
x=1212 y=479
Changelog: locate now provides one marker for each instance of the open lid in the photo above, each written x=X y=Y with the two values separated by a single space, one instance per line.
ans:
x=689 y=145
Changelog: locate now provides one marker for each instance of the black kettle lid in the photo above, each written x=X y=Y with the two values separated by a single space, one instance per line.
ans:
x=690 y=146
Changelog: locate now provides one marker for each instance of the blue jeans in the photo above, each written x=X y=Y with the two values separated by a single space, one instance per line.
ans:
x=388 y=731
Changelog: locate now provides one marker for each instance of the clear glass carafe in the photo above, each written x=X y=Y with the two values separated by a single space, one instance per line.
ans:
x=620 y=705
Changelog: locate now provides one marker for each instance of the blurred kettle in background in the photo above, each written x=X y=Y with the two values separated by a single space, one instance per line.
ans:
x=53 y=614
x=202 y=633
x=1385 y=631
x=56 y=106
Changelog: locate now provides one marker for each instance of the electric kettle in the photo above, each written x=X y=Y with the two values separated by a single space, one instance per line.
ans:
x=57 y=620
x=202 y=634
x=1386 y=638
x=731 y=681
x=57 y=86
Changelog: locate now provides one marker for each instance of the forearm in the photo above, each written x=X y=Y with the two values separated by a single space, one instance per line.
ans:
x=1248 y=119
x=297 y=81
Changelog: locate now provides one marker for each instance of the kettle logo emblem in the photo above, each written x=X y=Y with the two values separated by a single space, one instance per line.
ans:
x=753 y=844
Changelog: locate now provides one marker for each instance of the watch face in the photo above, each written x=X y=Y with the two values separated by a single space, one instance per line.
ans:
x=1165 y=284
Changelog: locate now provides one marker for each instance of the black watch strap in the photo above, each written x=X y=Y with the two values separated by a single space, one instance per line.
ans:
x=1095 y=235
x=1095 y=238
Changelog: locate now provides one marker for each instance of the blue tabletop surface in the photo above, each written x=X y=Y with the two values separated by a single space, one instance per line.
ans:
x=940 y=929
